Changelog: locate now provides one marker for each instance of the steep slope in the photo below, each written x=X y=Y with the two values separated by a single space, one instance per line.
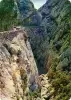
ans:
x=57 y=23
x=18 y=71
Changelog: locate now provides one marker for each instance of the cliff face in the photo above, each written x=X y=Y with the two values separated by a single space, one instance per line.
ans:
x=57 y=23
x=18 y=71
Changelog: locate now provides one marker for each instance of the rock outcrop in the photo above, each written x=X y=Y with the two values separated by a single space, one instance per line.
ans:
x=46 y=91
x=18 y=71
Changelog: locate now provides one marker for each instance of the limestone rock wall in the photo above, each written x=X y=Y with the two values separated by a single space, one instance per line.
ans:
x=18 y=69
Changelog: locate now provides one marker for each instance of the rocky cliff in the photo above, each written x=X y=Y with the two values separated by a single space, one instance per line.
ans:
x=18 y=71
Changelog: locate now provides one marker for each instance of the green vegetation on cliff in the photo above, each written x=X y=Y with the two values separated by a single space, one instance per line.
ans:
x=8 y=14
x=59 y=59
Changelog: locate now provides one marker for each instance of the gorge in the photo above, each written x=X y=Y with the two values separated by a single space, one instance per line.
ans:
x=35 y=58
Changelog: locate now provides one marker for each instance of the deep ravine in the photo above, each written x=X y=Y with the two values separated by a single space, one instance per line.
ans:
x=41 y=71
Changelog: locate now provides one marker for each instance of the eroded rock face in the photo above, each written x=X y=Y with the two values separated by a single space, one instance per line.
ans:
x=17 y=65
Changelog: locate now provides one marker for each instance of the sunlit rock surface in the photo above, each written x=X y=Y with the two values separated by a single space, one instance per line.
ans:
x=18 y=71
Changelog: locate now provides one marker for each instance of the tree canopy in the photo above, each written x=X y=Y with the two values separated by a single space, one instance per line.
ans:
x=8 y=14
